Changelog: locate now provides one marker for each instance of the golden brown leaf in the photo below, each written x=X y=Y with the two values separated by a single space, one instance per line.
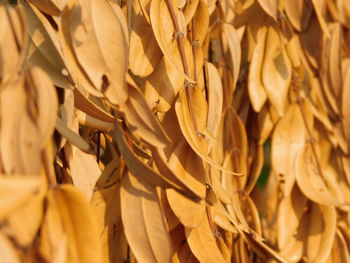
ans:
x=202 y=243
x=276 y=71
x=103 y=58
x=143 y=221
x=80 y=225
x=288 y=140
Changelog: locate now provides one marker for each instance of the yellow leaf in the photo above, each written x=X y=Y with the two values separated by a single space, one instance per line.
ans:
x=320 y=8
x=13 y=104
x=15 y=191
x=137 y=167
x=180 y=168
x=84 y=104
x=202 y=243
x=234 y=46
x=106 y=205
x=23 y=225
x=48 y=6
x=298 y=13
x=197 y=143
x=84 y=244
x=53 y=233
x=71 y=136
x=144 y=52
x=102 y=56
x=321 y=233
x=319 y=186
x=8 y=250
x=276 y=71
x=256 y=90
x=13 y=29
x=84 y=171
x=140 y=116
x=164 y=33
x=47 y=103
x=290 y=222
x=143 y=221
x=215 y=102
x=46 y=52
x=189 y=212
x=288 y=139
x=163 y=85
x=270 y=7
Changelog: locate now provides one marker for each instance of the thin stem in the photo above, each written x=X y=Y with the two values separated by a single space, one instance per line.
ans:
x=235 y=150
x=188 y=86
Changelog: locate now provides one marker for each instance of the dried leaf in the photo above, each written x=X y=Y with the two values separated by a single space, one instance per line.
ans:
x=322 y=229
x=140 y=207
x=276 y=71
x=104 y=59
x=257 y=93
x=144 y=52
x=288 y=140
x=140 y=116
x=77 y=216
x=8 y=250
x=164 y=32
x=202 y=243
x=71 y=136
x=84 y=171
x=15 y=191
x=198 y=144
x=189 y=213
x=48 y=6
x=270 y=7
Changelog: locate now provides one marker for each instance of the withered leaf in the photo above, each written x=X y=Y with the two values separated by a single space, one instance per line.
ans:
x=149 y=241
x=276 y=71
x=79 y=223
x=288 y=139
x=202 y=243
x=103 y=58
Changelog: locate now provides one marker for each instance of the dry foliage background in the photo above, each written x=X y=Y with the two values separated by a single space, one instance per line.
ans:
x=134 y=131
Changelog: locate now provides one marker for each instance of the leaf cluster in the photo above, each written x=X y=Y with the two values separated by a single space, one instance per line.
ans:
x=134 y=131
